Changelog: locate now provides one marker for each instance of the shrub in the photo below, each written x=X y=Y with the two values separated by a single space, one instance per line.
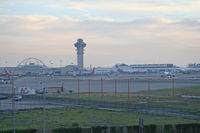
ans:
x=20 y=131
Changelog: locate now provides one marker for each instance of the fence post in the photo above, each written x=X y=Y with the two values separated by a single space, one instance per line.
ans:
x=78 y=90
x=128 y=91
x=89 y=90
x=149 y=89
x=101 y=90
x=172 y=89
x=133 y=87
x=115 y=90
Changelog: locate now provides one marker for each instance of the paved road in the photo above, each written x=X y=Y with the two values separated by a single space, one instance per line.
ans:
x=95 y=84
x=36 y=102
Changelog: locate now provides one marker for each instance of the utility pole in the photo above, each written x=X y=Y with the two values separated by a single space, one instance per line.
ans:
x=44 y=109
x=44 y=106
x=13 y=104
x=141 y=125
x=60 y=63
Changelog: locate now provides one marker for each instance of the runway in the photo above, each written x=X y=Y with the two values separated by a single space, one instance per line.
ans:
x=96 y=84
x=108 y=85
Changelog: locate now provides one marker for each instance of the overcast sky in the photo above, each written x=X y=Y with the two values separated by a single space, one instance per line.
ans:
x=115 y=31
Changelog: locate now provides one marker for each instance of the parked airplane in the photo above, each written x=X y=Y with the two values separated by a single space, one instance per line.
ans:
x=168 y=75
x=129 y=70
x=86 y=73
x=104 y=71
x=81 y=73
x=190 y=70
x=12 y=74
x=120 y=70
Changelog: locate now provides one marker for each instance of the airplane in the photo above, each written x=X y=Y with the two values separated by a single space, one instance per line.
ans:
x=12 y=74
x=81 y=73
x=168 y=75
x=104 y=71
x=120 y=70
x=129 y=70
x=189 y=70
x=86 y=73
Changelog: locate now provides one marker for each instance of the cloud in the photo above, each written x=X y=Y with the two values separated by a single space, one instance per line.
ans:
x=192 y=22
x=113 y=10
x=68 y=18
x=115 y=30
x=101 y=19
x=131 y=5
x=68 y=5
x=24 y=23
x=51 y=36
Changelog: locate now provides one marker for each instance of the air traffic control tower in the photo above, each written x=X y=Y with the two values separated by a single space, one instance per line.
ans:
x=80 y=51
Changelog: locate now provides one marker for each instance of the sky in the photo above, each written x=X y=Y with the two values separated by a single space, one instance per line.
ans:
x=115 y=31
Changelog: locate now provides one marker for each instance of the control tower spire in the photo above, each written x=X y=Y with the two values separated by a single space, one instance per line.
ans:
x=80 y=51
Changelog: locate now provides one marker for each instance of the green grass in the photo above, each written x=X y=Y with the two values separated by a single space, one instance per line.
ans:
x=83 y=117
x=177 y=91
x=158 y=98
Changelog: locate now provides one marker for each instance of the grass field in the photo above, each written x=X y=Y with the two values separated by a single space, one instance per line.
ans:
x=83 y=117
x=158 y=98
x=88 y=117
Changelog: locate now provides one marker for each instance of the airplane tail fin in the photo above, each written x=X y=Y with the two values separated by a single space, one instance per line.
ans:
x=92 y=71
x=6 y=72
x=118 y=69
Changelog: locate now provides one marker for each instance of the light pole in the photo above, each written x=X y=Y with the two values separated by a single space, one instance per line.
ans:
x=44 y=110
x=13 y=105
x=44 y=104
x=6 y=63
x=60 y=63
